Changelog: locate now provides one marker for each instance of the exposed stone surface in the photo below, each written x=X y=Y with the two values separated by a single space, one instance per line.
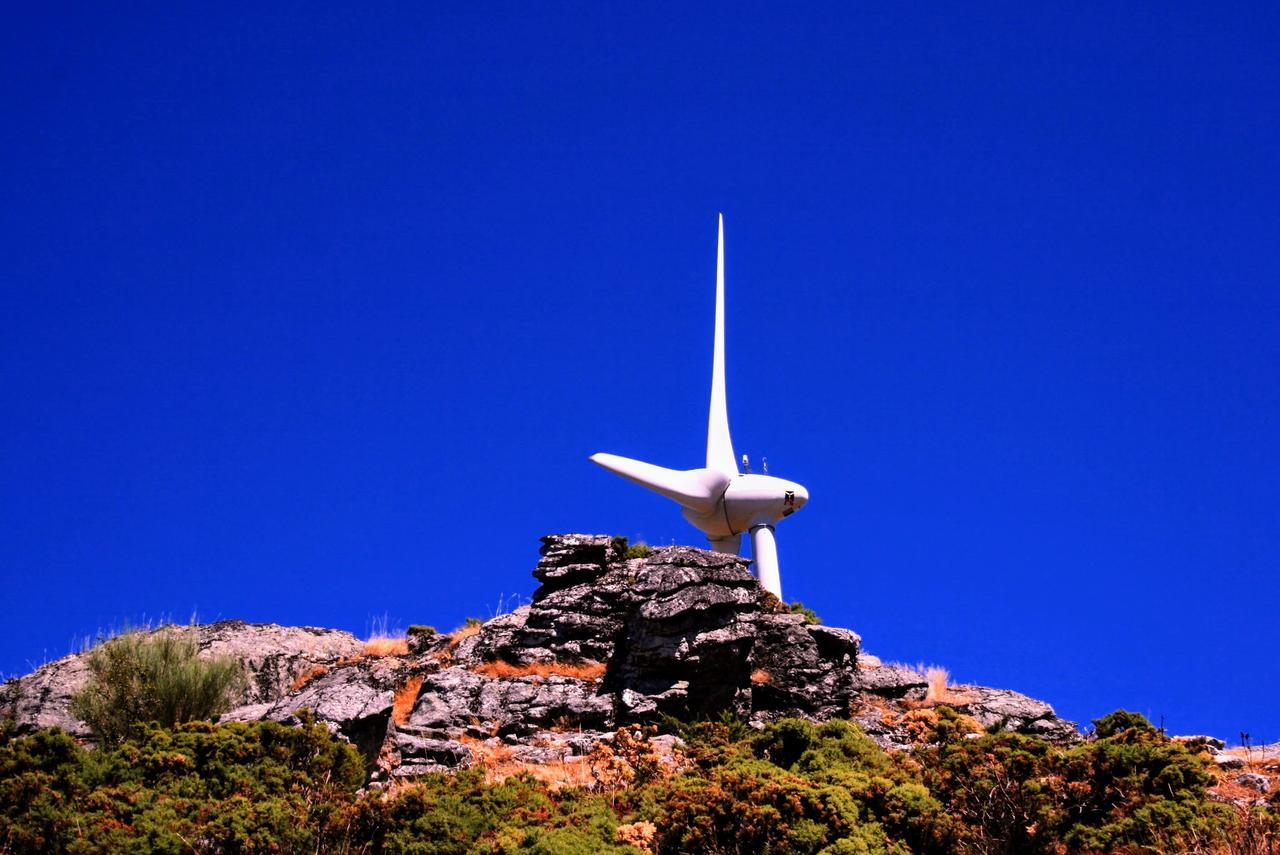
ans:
x=607 y=641
x=1200 y=742
x=1254 y=781
x=273 y=657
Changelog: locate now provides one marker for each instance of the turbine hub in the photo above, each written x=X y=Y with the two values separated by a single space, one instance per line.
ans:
x=761 y=500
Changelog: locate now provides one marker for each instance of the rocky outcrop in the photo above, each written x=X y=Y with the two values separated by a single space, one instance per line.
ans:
x=272 y=656
x=608 y=641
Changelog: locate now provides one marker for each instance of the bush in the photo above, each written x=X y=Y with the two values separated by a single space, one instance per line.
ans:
x=1119 y=721
x=792 y=787
x=1132 y=789
x=639 y=550
x=141 y=677
x=258 y=787
x=421 y=629
x=810 y=616
x=460 y=813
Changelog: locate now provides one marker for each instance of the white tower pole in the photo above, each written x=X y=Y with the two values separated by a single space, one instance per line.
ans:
x=764 y=552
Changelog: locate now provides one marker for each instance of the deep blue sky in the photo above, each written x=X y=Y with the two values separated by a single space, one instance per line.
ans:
x=314 y=315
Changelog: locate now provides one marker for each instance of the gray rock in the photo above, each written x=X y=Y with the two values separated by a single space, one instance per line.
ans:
x=683 y=631
x=1199 y=742
x=891 y=681
x=273 y=657
x=420 y=754
x=1254 y=781
x=42 y=699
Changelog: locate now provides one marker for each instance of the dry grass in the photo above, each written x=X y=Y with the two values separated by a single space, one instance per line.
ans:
x=761 y=677
x=375 y=648
x=382 y=645
x=499 y=763
x=462 y=632
x=302 y=680
x=542 y=670
x=609 y=766
x=405 y=698
x=937 y=677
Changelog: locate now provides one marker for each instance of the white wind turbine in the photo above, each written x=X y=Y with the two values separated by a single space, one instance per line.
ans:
x=718 y=499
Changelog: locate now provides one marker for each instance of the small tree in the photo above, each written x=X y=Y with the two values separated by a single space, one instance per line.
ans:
x=141 y=677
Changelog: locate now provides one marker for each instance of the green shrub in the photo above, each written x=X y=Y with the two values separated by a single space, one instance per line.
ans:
x=810 y=616
x=1132 y=789
x=421 y=629
x=1120 y=720
x=791 y=787
x=460 y=813
x=259 y=787
x=141 y=677
x=639 y=550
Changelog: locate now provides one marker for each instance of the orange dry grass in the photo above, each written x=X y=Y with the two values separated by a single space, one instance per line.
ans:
x=374 y=648
x=379 y=646
x=569 y=772
x=578 y=671
x=760 y=677
x=462 y=632
x=300 y=682
x=937 y=678
x=498 y=761
x=406 y=696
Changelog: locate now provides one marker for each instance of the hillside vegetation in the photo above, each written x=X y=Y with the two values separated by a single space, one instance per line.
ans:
x=792 y=787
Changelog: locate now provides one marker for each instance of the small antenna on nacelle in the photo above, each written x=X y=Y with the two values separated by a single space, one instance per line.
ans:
x=764 y=465
x=746 y=465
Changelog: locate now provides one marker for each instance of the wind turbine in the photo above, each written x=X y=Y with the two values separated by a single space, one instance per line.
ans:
x=717 y=499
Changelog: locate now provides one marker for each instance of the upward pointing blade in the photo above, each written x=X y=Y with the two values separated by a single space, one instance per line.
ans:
x=719 y=446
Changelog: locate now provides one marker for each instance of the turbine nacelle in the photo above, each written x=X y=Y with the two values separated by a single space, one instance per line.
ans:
x=748 y=501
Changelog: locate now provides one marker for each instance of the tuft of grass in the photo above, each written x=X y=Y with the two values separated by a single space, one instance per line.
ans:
x=378 y=647
x=304 y=679
x=576 y=670
x=468 y=629
x=405 y=698
x=938 y=679
x=761 y=677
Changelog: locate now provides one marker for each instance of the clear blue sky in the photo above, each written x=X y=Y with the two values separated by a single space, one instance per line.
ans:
x=314 y=315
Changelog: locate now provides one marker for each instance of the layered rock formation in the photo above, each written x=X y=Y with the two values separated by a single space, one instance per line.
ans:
x=607 y=641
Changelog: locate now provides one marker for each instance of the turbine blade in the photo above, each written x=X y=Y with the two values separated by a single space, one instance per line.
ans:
x=719 y=445
x=697 y=489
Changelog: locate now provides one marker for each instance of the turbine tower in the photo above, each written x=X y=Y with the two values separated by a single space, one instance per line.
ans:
x=717 y=499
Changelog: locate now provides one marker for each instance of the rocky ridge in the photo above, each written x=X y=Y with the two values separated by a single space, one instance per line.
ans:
x=607 y=641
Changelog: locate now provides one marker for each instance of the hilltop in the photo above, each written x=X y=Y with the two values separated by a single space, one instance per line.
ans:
x=611 y=638
x=645 y=700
